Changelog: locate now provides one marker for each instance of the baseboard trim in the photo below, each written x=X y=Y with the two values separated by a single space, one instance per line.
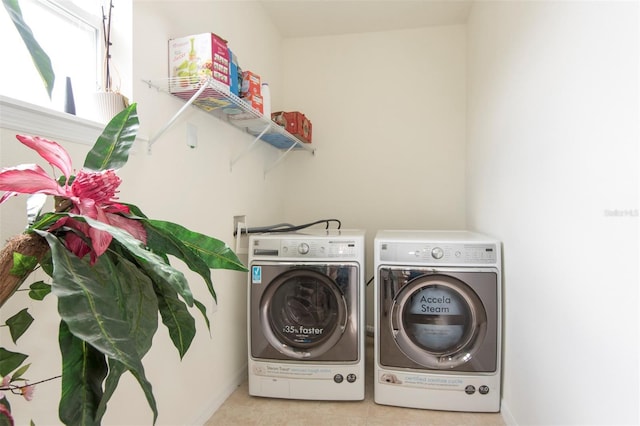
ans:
x=508 y=418
x=220 y=398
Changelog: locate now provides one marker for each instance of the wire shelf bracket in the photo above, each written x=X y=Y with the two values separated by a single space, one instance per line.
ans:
x=175 y=117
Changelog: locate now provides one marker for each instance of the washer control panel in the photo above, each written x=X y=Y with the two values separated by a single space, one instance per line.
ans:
x=439 y=252
x=305 y=248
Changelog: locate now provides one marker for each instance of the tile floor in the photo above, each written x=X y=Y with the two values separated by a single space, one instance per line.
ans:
x=242 y=409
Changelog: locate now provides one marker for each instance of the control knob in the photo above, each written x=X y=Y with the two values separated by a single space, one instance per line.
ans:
x=303 y=248
x=437 y=253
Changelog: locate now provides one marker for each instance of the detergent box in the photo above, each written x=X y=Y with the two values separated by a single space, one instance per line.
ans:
x=195 y=58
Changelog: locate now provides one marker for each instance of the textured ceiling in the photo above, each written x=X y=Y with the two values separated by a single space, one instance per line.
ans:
x=310 y=18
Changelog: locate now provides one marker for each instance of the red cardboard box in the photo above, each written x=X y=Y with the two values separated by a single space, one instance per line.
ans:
x=250 y=84
x=295 y=123
x=255 y=101
x=196 y=57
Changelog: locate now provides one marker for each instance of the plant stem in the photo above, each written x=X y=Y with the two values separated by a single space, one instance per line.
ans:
x=12 y=388
x=30 y=244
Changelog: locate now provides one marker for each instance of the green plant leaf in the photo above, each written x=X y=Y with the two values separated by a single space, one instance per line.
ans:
x=153 y=265
x=40 y=58
x=19 y=323
x=83 y=370
x=116 y=370
x=87 y=304
x=47 y=264
x=9 y=361
x=39 y=290
x=138 y=300
x=111 y=150
x=22 y=265
x=46 y=220
x=215 y=253
x=160 y=240
x=135 y=210
x=4 y=402
x=176 y=317
x=203 y=310
x=17 y=375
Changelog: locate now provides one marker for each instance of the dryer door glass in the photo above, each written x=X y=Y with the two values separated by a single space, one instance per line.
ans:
x=439 y=321
x=306 y=312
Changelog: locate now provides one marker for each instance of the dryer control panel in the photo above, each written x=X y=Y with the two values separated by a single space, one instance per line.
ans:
x=305 y=248
x=439 y=252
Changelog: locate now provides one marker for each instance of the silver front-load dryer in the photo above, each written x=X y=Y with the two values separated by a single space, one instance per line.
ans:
x=306 y=315
x=438 y=320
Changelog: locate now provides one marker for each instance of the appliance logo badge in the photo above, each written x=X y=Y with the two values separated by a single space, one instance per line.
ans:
x=256 y=274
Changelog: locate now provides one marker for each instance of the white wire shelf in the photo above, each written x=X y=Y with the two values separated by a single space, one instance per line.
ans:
x=216 y=99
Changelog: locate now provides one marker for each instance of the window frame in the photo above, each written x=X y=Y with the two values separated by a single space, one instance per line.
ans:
x=36 y=120
x=48 y=121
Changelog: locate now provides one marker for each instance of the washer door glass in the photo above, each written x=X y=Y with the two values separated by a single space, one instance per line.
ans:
x=304 y=313
x=439 y=321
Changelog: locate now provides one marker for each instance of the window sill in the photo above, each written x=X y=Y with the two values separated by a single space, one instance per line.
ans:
x=35 y=120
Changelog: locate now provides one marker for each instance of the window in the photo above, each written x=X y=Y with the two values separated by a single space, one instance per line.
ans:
x=69 y=31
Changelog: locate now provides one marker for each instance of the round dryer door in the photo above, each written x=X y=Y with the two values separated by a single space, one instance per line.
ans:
x=438 y=321
x=303 y=313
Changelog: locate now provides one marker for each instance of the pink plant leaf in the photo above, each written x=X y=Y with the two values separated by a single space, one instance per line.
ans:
x=116 y=208
x=100 y=240
x=7 y=195
x=28 y=179
x=85 y=207
x=51 y=151
x=134 y=227
x=74 y=242
x=59 y=223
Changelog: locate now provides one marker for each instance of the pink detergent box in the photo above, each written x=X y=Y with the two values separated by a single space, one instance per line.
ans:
x=197 y=57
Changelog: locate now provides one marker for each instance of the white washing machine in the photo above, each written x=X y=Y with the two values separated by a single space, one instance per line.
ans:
x=306 y=324
x=438 y=320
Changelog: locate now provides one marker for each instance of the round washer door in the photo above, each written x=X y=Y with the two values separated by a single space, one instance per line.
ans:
x=303 y=313
x=438 y=321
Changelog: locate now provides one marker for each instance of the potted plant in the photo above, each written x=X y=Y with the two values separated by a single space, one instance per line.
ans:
x=109 y=101
x=109 y=269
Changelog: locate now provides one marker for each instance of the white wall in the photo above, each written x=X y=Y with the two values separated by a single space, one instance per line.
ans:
x=388 y=114
x=193 y=187
x=552 y=153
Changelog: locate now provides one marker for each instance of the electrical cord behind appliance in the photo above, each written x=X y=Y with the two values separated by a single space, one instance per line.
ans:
x=286 y=227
